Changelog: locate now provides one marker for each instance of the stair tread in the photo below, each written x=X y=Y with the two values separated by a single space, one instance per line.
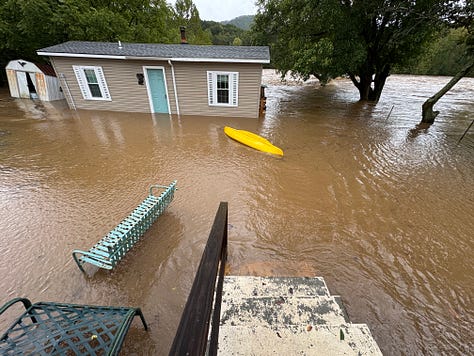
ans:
x=281 y=310
x=281 y=286
x=297 y=340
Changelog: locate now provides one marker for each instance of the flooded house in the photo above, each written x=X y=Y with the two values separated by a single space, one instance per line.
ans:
x=179 y=79
x=33 y=81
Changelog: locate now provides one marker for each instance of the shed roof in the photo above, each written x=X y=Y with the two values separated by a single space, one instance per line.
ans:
x=26 y=66
x=46 y=69
x=153 y=51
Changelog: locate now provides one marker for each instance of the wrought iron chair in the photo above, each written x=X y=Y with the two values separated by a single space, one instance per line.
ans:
x=67 y=329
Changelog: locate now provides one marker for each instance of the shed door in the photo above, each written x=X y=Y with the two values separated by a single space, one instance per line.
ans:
x=23 y=85
x=157 y=90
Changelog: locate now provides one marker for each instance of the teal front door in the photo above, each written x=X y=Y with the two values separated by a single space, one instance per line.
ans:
x=157 y=91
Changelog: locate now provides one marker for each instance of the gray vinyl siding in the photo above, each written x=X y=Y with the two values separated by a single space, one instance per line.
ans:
x=191 y=83
x=121 y=77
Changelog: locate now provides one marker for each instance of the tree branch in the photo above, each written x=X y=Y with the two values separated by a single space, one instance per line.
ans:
x=354 y=80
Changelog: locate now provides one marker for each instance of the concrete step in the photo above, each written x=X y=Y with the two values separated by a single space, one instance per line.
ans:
x=297 y=340
x=248 y=286
x=287 y=316
x=270 y=311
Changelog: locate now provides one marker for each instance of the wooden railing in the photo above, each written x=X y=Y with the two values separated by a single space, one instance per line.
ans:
x=193 y=336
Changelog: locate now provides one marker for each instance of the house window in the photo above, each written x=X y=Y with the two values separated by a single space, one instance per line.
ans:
x=92 y=83
x=223 y=88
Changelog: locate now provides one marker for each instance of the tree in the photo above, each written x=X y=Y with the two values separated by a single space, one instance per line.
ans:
x=361 y=39
x=125 y=20
x=237 y=42
x=223 y=34
x=25 y=26
x=186 y=14
x=446 y=55
x=243 y=22
x=464 y=19
x=428 y=114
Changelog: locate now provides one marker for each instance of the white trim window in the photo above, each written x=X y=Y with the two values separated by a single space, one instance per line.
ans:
x=92 y=82
x=223 y=88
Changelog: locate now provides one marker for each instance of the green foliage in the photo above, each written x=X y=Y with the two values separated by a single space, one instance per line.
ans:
x=364 y=39
x=446 y=55
x=186 y=14
x=244 y=22
x=237 y=42
x=24 y=26
x=222 y=34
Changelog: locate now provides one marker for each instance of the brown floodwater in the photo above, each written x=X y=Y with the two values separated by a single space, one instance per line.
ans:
x=381 y=209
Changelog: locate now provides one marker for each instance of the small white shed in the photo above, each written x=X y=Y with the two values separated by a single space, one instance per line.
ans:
x=33 y=81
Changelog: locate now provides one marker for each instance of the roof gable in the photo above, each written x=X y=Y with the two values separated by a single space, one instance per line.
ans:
x=176 y=52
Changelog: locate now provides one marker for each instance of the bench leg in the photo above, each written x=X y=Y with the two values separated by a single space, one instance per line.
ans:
x=74 y=253
x=138 y=312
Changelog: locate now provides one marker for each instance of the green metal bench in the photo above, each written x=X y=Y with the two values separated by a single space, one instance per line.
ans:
x=113 y=246
x=67 y=329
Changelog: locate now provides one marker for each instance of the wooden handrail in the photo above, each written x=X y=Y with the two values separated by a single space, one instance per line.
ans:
x=192 y=335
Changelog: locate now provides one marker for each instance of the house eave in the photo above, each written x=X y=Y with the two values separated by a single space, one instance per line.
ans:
x=79 y=55
x=215 y=60
x=102 y=56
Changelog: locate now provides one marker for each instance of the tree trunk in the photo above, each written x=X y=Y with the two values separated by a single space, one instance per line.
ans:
x=379 y=82
x=365 y=87
x=367 y=92
x=428 y=115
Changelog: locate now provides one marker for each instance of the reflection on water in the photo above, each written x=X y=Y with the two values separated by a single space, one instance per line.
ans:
x=380 y=209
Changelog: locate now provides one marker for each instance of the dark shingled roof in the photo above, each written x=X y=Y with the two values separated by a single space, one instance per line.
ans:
x=260 y=54
x=46 y=69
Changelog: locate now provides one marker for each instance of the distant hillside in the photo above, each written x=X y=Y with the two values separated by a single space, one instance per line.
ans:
x=225 y=34
x=244 y=22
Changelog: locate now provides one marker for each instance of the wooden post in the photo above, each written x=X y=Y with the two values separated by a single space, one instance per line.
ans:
x=263 y=101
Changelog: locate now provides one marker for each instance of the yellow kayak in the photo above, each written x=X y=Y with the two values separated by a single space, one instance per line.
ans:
x=252 y=140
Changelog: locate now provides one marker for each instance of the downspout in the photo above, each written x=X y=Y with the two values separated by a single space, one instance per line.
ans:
x=174 y=86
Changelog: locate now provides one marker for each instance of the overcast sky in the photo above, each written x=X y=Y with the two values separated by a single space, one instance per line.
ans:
x=222 y=10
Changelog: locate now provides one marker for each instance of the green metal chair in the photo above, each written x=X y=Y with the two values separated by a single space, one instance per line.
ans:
x=67 y=329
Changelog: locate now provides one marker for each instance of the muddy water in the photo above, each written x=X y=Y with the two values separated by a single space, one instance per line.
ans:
x=380 y=209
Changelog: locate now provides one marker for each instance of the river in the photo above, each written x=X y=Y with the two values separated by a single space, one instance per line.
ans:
x=381 y=209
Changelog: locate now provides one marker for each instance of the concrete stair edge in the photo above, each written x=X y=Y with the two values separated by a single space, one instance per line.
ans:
x=298 y=340
x=282 y=286
x=290 y=310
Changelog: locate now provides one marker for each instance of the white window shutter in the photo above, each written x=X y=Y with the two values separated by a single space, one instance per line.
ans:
x=102 y=83
x=81 y=80
x=210 y=87
x=235 y=89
